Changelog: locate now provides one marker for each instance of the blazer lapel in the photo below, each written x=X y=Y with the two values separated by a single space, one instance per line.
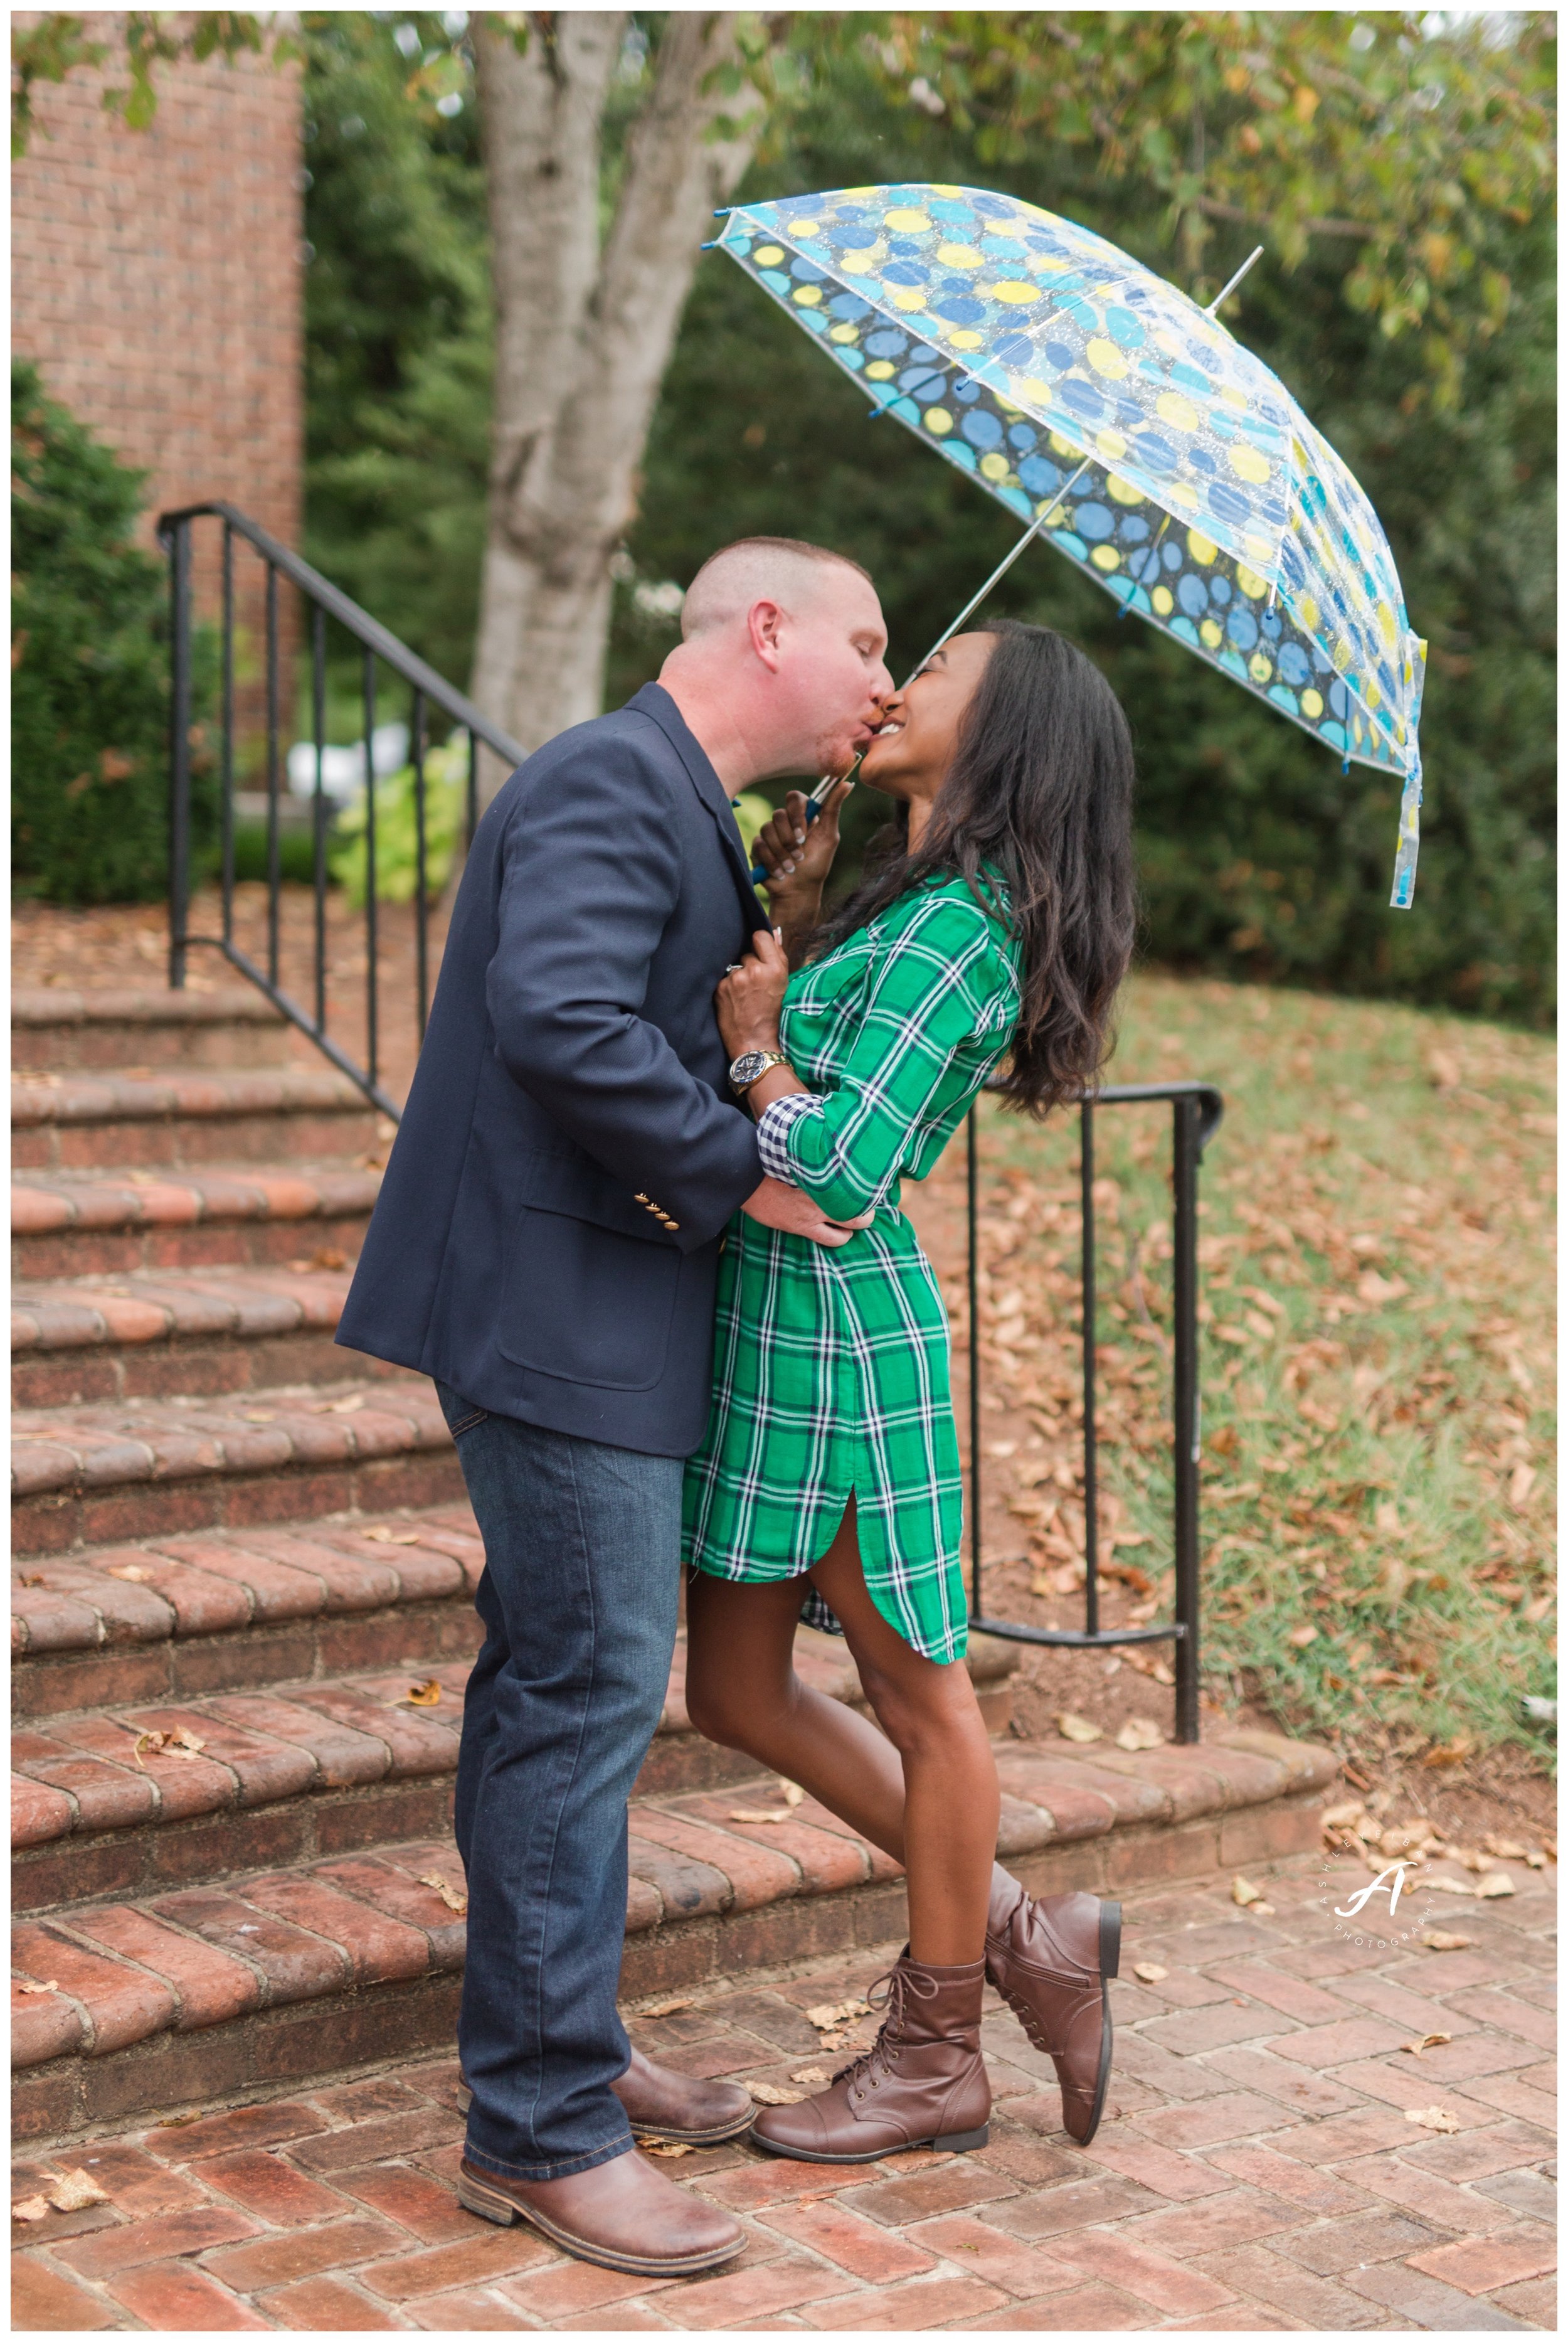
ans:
x=655 y=701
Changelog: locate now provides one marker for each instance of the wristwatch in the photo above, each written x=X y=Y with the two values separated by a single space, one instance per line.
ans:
x=751 y=1065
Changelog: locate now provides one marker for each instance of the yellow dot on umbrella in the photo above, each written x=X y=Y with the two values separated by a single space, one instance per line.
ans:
x=1052 y=511
x=1210 y=634
x=880 y=370
x=995 y=468
x=959 y=255
x=1235 y=397
x=1253 y=587
x=1258 y=668
x=1179 y=493
x=1258 y=547
x=1030 y=387
x=1248 y=464
x=861 y=262
x=906 y=223
x=938 y=419
x=1163 y=601
x=1111 y=444
x=808 y=295
x=1312 y=705
x=1177 y=410
x=1309 y=612
x=1202 y=549
x=1060 y=446
x=1385 y=626
x=1119 y=490
x=1017 y=296
x=904 y=297
x=1169 y=345
x=953 y=193
x=1106 y=359
x=844 y=334
x=768 y=256
x=1373 y=695
x=961 y=338
x=1106 y=556
x=805 y=227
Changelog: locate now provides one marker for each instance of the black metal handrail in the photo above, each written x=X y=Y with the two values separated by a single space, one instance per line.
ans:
x=428 y=690
x=1196 y=1109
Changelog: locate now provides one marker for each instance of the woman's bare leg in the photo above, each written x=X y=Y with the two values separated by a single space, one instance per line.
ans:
x=927 y=1793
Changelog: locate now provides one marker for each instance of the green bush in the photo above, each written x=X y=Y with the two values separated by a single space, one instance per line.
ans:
x=396 y=833
x=89 y=686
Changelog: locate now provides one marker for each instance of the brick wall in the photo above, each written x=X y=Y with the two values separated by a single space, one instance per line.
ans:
x=156 y=277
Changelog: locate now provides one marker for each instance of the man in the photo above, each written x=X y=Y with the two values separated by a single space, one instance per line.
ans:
x=545 y=1246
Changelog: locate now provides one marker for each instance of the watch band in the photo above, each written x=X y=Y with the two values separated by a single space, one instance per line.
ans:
x=751 y=1065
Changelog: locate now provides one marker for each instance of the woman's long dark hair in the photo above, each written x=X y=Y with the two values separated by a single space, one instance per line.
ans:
x=1041 y=792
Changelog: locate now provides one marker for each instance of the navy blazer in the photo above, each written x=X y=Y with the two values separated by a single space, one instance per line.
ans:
x=547 y=1236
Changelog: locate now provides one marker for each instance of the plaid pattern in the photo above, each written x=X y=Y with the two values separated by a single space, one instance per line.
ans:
x=773 y=1132
x=831 y=1368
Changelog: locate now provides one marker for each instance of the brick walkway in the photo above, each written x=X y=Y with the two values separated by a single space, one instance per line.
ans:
x=1258 y=2170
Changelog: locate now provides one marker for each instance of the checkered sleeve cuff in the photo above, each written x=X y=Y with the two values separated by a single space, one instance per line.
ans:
x=774 y=1129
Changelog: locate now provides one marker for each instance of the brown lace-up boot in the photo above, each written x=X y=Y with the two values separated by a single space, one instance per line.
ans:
x=1051 y=1959
x=922 y=2083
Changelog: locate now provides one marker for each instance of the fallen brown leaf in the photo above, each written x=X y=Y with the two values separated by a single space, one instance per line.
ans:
x=50 y=1987
x=454 y=1897
x=1078 y=1729
x=1438 y=1939
x=349 y=1405
x=382 y=1534
x=817 y=2078
x=1243 y=1892
x=831 y=2013
x=31 y=2207
x=1150 y=1972
x=1140 y=1732
x=670 y=2008
x=130 y=1570
x=421 y=1695
x=1432 y=2117
x=74 y=2191
x=1427 y=2041
x=745 y=1814
x=791 y=1792
x=769 y=2093
x=668 y=2150
x=1495 y=1883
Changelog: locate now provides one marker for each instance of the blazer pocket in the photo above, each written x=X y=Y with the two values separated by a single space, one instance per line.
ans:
x=585 y=1304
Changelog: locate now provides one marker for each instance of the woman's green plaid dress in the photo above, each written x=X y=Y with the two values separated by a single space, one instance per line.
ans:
x=831 y=1368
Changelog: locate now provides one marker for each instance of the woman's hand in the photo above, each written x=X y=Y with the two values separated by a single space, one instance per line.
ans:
x=750 y=998
x=797 y=854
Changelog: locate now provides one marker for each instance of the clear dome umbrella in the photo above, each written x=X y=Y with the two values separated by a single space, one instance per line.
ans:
x=1126 y=425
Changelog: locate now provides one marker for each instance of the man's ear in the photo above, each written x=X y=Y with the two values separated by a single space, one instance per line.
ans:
x=765 y=624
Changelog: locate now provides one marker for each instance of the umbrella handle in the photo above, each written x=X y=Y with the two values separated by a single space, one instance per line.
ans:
x=813 y=807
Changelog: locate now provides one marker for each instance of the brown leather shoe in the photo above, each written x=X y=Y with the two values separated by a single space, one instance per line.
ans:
x=1052 y=1958
x=923 y=2081
x=670 y=2107
x=621 y=2215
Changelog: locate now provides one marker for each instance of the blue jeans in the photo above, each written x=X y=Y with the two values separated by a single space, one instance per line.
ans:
x=579 y=1602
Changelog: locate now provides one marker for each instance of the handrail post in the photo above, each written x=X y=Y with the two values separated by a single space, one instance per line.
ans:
x=1184 y=1428
x=178 y=542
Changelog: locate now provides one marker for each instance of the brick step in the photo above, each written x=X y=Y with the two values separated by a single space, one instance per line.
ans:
x=308 y=1769
x=106 y=1121
x=224 y=1216
x=56 y=1030
x=236 y=1609
x=84 y=1475
x=194 y=1331
x=218 y=1994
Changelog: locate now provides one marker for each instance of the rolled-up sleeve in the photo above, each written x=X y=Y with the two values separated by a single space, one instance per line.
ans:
x=942 y=997
x=774 y=1125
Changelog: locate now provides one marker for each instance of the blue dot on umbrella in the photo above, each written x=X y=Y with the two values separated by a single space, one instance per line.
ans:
x=901 y=272
x=805 y=272
x=1201 y=460
x=966 y=392
x=905 y=248
x=1171 y=557
x=1186 y=378
x=1338 y=698
x=1294 y=664
x=1083 y=398
x=1271 y=626
x=1123 y=328
x=1241 y=628
x=1094 y=522
x=1059 y=354
x=1080 y=313
x=1220 y=588
x=1018 y=350
x=1039 y=476
x=1184 y=628
x=1022 y=437
x=1283 y=698
x=981 y=428
x=1156 y=454
x=850 y=307
x=1194 y=595
x=1003 y=247
x=886 y=343
x=1228 y=504
x=1133 y=529
x=922 y=382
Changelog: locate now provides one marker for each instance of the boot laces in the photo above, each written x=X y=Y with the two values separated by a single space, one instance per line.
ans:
x=892 y=1993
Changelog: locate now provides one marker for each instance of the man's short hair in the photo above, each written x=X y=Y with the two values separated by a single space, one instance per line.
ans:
x=752 y=569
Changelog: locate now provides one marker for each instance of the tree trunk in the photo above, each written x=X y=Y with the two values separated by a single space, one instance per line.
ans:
x=583 y=330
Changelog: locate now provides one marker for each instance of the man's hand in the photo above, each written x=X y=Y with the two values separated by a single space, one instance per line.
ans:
x=748 y=1001
x=779 y=1206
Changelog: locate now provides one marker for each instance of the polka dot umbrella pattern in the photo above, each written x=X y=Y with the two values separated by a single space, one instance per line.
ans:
x=1092 y=398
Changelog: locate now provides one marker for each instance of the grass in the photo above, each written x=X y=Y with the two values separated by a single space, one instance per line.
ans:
x=1376 y=1293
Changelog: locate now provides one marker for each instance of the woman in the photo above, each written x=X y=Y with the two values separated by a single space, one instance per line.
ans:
x=999 y=926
